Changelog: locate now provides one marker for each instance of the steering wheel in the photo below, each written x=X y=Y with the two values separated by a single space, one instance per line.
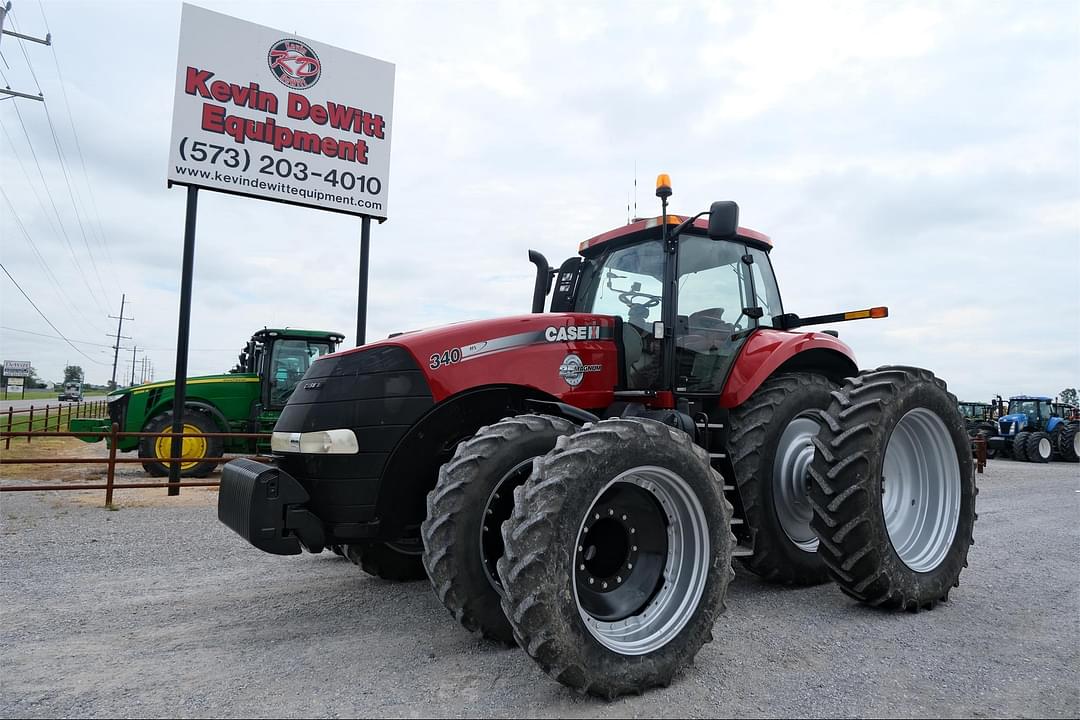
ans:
x=627 y=298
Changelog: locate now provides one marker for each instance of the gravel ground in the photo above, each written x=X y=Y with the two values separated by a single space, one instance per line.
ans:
x=160 y=611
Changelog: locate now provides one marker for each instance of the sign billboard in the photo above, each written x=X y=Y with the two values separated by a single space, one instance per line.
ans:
x=16 y=368
x=268 y=114
x=15 y=384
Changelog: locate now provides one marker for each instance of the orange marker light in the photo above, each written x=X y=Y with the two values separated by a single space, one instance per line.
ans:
x=663 y=185
x=879 y=312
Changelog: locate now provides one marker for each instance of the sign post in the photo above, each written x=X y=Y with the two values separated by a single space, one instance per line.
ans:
x=14 y=372
x=262 y=113
x=15 y=384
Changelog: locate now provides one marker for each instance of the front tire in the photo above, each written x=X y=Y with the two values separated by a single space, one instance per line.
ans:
x=157 y=449
x=466 y=510
x=893 y=489
x=771 y=446
x=1019 y=446
x=1039 y=447
x=618 y=557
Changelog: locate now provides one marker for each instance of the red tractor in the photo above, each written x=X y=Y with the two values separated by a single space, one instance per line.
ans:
x=578 y=481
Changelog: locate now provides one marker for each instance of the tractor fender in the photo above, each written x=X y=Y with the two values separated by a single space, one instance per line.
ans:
x=770 y=351
x=412 y=468
x=204 y=407
x=1052 y=424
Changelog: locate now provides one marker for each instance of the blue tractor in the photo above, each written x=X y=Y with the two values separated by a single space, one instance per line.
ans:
x=1032 y=431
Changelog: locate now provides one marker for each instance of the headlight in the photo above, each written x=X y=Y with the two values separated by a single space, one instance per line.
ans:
x=114 y=398
x=320 y=442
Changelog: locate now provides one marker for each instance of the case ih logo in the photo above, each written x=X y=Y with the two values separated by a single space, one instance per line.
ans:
x=294 y=64
x=572 y=370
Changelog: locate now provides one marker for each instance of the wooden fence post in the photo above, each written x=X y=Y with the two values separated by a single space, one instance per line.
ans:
x=46 y=418
x=7 y=440
x=30 y=425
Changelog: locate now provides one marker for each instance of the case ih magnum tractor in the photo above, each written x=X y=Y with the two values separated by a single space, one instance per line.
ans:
x=578 y=481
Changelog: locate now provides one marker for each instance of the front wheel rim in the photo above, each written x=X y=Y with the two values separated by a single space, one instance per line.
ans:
x=639 y=577
x=497 y=509
x=794 y=453
x=1044 y=447
x=920 y=491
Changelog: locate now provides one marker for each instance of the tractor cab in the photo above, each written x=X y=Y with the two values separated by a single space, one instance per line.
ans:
x=975 y=411
x=280 y=357
x=688 y=295
x=1026 y=413
x=723 y=290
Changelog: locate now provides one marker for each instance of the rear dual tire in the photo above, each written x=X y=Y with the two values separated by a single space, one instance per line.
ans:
x=893 y=489
x=1069 y=442
x=771 y=447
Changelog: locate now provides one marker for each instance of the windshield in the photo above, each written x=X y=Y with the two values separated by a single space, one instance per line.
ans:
x=289 y=362
x=1029 y=407
x=716 y=281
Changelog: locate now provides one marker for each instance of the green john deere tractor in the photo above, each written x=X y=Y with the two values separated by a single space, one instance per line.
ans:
x=978 y=417
x=247 y=399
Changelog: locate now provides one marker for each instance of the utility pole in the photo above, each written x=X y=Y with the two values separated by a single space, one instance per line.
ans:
x=116 y=347
x=133 y=349
x=5 y=7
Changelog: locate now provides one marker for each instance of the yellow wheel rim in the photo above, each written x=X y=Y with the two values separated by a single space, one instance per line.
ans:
x=193 y=447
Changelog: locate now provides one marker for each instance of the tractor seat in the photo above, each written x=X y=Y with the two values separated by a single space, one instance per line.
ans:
x=710 y=326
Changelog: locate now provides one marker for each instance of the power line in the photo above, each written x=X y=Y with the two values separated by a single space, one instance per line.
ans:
x=71 y=194
x=75 y=134
x=47 y=319
x=87 y=342
x=54 y=337
x=61 y=293
x=56 y=210
x=22 y=46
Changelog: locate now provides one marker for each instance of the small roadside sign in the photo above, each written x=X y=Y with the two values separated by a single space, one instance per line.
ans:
x=16 y=368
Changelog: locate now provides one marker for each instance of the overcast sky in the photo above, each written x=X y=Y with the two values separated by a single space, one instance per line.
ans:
x=924 y=156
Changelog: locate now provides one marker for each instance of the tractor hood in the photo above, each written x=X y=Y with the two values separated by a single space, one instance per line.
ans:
x=201 y=380
x=1010 y=424
x=557 y=354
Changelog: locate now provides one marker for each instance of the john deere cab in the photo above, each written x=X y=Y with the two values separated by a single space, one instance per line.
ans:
x=249 y=398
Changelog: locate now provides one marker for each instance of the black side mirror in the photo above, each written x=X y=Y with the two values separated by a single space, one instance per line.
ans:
x=723 y=220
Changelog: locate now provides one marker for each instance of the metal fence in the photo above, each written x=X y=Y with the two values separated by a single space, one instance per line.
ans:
x=110 y=484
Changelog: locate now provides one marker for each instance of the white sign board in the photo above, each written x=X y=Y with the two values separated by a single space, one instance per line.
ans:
x=265 y=113
x=16 y=368
x=15 y=384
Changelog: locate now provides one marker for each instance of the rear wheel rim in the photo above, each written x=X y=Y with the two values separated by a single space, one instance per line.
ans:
x=641 y=560
x=794 y=453
x=920 y=490
x=190 y=447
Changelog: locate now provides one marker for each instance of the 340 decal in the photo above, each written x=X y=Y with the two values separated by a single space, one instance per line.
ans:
x=446 y=357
